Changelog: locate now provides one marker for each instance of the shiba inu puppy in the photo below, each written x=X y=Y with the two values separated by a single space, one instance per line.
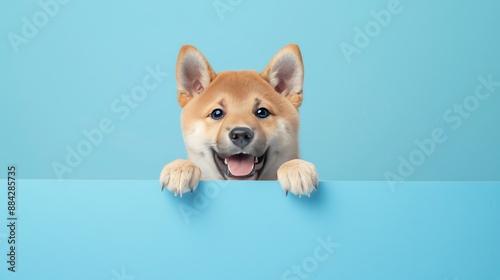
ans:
x=240 y=125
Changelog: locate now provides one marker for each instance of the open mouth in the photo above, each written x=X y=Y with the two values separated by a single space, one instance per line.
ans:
x=240 y=166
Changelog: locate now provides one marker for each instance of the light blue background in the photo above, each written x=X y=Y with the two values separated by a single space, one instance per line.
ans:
x=357 y=117
x=247 y=230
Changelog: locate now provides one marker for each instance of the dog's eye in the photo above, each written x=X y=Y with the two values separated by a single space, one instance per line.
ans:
x=217 y=114
x=262 y=113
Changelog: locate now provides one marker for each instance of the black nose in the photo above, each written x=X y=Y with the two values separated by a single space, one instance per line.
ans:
x=241 y=136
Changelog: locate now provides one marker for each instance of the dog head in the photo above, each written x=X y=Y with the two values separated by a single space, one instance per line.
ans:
x=240 y=124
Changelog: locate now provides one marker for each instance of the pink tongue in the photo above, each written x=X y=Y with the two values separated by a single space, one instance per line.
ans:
x=240 y=165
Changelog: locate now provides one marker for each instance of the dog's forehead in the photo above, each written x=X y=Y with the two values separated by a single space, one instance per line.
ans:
x=240 y=84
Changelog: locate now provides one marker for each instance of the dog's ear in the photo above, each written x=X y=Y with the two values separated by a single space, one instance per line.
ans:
x=285 y=73
x=193 y=74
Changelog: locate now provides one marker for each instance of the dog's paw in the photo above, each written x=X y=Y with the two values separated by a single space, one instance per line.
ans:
x=298 y=176
x=180 y=176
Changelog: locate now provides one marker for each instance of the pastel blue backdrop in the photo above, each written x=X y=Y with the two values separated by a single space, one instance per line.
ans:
x=126 y=230
x=408 y=89
x=361 y=115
